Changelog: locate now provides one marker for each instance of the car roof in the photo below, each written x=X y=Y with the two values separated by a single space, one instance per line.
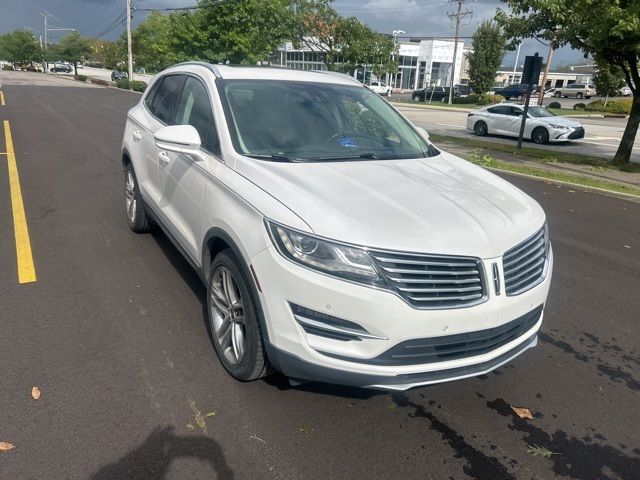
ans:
x=241 y=72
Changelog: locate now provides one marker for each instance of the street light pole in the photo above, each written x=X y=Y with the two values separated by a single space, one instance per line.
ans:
x=395 y=34
x=515 y=65
x=129 y=53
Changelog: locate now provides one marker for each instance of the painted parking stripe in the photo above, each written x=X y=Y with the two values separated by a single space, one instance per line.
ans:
x=26 y=269
x=1 y=98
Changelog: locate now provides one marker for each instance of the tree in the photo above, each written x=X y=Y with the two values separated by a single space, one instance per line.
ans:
x=608 y=80
x=244 y=31
x=488 y=47
x=73 y=48
x=21 y=46
x=609 y=30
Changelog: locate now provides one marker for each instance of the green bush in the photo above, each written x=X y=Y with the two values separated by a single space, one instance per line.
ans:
x=613 y=106
x=7 y=67
x=99 y=81
x=135 y=85
x=81 y=78
x=579 y=106
x=555 y=105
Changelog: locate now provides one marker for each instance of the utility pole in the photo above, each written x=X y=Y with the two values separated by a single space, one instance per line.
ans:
x=129 y=53
x=459 y=15
x=546 y=73
x=45 y=60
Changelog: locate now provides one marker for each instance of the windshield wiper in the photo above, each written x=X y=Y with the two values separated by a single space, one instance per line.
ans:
x=274 y=157
x=363 y=156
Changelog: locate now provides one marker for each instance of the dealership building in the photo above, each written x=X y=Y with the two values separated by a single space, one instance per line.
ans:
x=420 y=63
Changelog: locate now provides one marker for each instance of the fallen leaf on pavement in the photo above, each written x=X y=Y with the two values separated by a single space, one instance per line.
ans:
x=626 y=246
x=305 y=430
x=4 y=446
x=540 y=451
x=35 y=393
x=522 y=412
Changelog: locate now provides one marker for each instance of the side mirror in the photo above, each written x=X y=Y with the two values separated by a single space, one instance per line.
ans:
x=183 y=139
x=423 y=132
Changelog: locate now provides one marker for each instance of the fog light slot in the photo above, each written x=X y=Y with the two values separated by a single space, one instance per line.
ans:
x=323 y=325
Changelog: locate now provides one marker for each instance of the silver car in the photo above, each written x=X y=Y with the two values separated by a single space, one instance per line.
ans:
x=577 y=90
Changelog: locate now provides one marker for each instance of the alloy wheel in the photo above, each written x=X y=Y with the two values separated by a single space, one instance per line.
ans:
x=130 y=196
x=228 y=315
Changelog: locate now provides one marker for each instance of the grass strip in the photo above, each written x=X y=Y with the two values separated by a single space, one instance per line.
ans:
x=536 y=154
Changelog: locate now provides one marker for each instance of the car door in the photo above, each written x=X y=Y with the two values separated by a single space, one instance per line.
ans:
x=182 y=178
x=512 y=121
x=158 y=113
x=498 y=119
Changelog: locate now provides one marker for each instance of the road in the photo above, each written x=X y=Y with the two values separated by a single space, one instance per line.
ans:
x=601 y=138
x=113 y=332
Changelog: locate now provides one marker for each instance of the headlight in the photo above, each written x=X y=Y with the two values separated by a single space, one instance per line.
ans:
x=325 y=256
x=559 y=127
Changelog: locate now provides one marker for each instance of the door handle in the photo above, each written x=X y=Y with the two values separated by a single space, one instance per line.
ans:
x=136 y=135
x=163 y=158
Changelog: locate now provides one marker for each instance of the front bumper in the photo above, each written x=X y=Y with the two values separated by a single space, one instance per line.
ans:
x=557 y=135
x=301 y=354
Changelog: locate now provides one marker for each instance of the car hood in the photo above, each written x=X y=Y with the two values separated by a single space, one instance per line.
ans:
x=441 y=204
x=560 y=121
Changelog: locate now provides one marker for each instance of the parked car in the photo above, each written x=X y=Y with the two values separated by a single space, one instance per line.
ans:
x=625 y=92
x=518 y=91
x=577 y=90
x=434 y=94
x=380 y=88
x=496 y=90
x=61 y=68
x=541 y=126
x=118 y=75
x=335 y=241
x=462 y=90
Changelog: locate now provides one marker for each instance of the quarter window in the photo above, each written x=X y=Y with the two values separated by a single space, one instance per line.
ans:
x=194 y=108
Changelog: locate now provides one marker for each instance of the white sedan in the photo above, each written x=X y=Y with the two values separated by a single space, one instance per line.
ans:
x=541 y=126
x=380 y=88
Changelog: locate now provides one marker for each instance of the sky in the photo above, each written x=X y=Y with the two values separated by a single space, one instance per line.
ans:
x=415 y=17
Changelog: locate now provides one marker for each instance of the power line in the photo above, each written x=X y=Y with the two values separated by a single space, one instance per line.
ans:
x=188 y=7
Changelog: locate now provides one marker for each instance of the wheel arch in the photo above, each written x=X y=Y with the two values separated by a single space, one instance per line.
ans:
x=216 y=240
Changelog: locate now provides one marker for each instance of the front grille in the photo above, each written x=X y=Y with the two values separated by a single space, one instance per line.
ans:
x=524 y=265
x=577 y=133
x=453 y=347
x=429 y=281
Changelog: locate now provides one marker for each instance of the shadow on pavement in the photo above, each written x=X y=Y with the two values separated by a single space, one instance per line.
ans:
x=151 y=460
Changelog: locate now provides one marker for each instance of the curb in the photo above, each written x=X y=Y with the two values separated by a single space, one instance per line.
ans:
x=430 y=107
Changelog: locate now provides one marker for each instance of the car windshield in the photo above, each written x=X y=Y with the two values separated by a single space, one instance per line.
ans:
x=308 y=121
x=538 y=112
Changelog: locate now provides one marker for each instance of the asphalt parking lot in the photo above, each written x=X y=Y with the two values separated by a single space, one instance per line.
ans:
x=111 y=328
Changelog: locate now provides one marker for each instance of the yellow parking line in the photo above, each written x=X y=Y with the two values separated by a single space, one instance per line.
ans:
x=26 y=269
x=1 y=98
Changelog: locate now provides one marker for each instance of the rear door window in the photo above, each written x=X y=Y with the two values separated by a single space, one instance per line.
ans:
x=500 y=110
x=164 y=101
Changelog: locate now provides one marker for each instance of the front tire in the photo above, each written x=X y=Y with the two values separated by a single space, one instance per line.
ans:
x=134 y=208
x=557 y=94
x=480 y=128
x=579 y=95
x=540 y=136
x=233 y=319
x=416 y=98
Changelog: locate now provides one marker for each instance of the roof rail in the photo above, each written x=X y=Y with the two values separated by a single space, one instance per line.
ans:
x=207 y=65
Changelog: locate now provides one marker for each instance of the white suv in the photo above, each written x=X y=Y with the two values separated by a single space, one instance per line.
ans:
x=380 y=88
x=336 y=243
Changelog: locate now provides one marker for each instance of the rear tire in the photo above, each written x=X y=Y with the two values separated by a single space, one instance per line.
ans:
x=579 y=95
x=480 y=128
x=134 y=207
x=540 y=135
x=233 y=319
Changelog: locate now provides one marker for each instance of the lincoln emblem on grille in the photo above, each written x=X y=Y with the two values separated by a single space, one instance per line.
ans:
x=496 y=278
